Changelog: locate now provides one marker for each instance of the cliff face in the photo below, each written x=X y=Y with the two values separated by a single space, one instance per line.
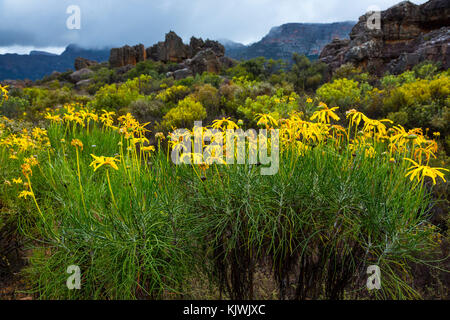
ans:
x=282 y=41
x=409 y=34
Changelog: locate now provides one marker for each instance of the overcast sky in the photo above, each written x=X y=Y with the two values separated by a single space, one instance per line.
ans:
x=41 y=24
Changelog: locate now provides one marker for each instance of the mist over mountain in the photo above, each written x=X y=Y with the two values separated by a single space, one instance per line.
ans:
x=282 y=41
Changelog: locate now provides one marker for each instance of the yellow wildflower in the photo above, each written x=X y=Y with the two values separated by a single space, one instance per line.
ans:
x=77 y=144
x=324 y=114
x=420 y=172
x=148 y=149
x=24 y=194
x=104 y=161
x=26 y=170
x=17 y=181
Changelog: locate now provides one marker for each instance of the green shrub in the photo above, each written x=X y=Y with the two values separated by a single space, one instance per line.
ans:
x=41 y=99
x=149 y=68
x=425 y=102
x=209 y=97
x=173 y=94
x=184 y=114
x=343 y=93
x=278 y=105
x=14 y=107
x=147 y=110
x=306 y=75
x=115 y=97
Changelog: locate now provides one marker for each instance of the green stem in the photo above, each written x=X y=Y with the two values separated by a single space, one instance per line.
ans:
x=79 y=181
x=34 y=198
x=110 y=190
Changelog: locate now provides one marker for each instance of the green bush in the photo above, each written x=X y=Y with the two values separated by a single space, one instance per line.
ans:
x=279 y=105
x=425 y=102
x=343 y=93
x=209 y=97
x=184 y=114
x=306 y=75
x=41 y=99
x=149 y=68
x=147 y=110
x=14 y=107
x=116 y=97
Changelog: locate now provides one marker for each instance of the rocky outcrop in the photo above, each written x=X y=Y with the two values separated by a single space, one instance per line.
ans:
x=197 y=57
x=204 y=61
x=81 y=63
x=126 y=55
x=433 y=46
x=409 y=34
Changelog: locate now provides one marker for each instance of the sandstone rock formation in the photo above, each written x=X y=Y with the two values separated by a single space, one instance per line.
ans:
x=81 y=63
x=171 y=50
x=409 y=34
x=126 y=55
x=205 y=60
x=197 y=57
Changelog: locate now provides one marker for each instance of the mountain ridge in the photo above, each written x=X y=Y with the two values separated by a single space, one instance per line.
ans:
x=284 y=40
x=38 y=64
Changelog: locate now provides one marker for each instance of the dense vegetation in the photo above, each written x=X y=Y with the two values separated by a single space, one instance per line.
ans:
x=85 y=182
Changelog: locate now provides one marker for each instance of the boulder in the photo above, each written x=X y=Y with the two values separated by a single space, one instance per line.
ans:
x=82 y=63
x=182 y=73
x=409 y=34
x=79 y=75
x=205 y=60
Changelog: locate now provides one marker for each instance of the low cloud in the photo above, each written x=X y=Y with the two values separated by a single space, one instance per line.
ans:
x=112 y=22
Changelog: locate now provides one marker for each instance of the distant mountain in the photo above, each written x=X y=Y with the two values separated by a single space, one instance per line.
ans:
x=37 y=64
x=231 y=45
x=282 y=41
x=42 y=53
